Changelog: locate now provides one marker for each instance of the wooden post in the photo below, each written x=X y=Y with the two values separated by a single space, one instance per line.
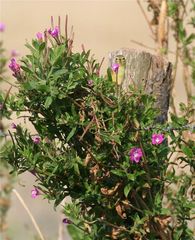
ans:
x=152 y=72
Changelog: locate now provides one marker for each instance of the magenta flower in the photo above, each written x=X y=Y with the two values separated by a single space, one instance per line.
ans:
x=135 y=154
x=35 y=193
x=66 y=221
x=115 y=67
x=13 y=126
x=36 y=139
x=39 y=36
x=157 y=138
x=90 y=83
x=14 y=53
x=14 y=66
x=54 y=33
x=2 y=27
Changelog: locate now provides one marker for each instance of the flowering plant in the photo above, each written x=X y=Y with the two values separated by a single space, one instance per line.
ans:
x=106 y=152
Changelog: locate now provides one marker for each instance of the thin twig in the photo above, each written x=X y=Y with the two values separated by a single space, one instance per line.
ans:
x=66 y=27
x=147 y=170
x=143 y=45
x=9 y=82
x=86 y=129
x=186 y=81
x=7 y=95
x=100 y=66
x=146 y=17
x=29 y=213
x=115 y=226
x=148 y=47
x=59 y=27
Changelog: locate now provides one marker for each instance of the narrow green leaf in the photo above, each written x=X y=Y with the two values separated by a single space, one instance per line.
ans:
x=30 y=85
x=119 y=173
x=127 y=189
x=177 y=234
x=35 y=44
x=57 y=74
x=131 y=177
x=41 y=47
x=181 y=32
x=26 y=69
x=48 y=102
x=190 y=39
x=30 y=47
x=188 y=151
x=76 y=168
x=70 y=135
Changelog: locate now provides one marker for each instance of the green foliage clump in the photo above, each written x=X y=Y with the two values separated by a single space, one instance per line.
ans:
x=86 y=135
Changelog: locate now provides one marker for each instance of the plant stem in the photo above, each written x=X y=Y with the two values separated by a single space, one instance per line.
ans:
x=117 y=92
x=147 y=172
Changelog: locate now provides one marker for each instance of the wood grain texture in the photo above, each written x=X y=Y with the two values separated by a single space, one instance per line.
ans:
x=150 y=71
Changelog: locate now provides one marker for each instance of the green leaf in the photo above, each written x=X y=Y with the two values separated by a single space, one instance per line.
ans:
x=177 y=234
x=190 y=39
x=76 y=168
x=41 y=47
x=127 y=189
x=190 y=205
x=116 y=138
x=31 y=48
x=131 y=177
x=70 y=135
x=57 y=54
x=165 y=211
x=172 y=8
x=109 y=74
x=35 y=44
x=119 y=173
x=77 y=234
x=181 y=32
x=48 y=102
x=188 y=151
x=59 y=73
x=158 y=200
x=30 y=85
x=26 y=69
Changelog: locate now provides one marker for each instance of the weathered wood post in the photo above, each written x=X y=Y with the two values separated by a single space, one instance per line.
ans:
x=152 y=71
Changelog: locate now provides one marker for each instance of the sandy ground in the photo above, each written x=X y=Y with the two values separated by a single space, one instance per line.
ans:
x=102 y=26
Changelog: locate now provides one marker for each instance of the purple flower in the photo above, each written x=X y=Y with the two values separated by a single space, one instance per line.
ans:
x=39 y=36
x=135 y=154
x=115 y=67
x=14 y=53
x=36 y=139
x=2 y=27
x=157 y=138
x=90 y=83
x=54 y=33
x=66 y=221
x=13 y=126
x=35 y=193
x=14 y=66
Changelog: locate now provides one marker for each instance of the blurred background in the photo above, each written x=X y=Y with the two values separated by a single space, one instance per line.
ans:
x=102 y=26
